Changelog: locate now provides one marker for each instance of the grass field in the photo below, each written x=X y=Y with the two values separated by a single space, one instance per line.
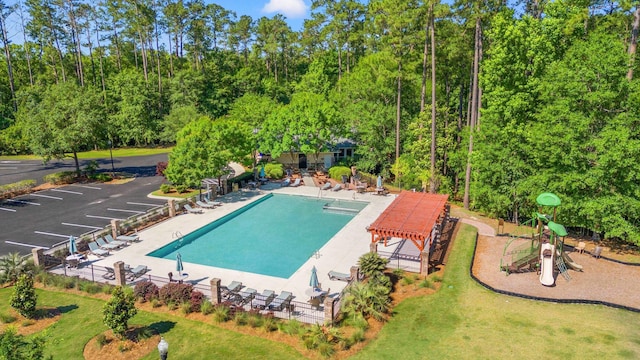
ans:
x=81 y=320
x=99 y=154
x=465 y=321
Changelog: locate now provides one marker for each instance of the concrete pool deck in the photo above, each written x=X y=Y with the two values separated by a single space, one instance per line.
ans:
x=338 y=254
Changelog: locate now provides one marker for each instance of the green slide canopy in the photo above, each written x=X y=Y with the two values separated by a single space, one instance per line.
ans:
x=557 y=228
x=548 y=199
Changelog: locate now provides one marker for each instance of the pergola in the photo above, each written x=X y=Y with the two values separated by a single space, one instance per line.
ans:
x=412 y=216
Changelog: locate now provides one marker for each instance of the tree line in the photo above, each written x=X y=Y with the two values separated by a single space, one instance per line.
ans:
x=489 y=101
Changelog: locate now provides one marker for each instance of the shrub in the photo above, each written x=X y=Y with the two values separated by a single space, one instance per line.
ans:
x=160 y=168
x=407 y=280
x=181 y=188
x=370 y=263
x=206 y=307
x=101 y=340
x=91 y=168
x=426 y=283
x=28 y=322
x=102 y=177
x=165 y=188
x=17 y=188
x=145 y=291
x=118 y=310
x=336 y=172
x=255 y=320
x=221 y=313
x=89 y=287
x=185 y=307
x=7 y=318
x=292 y=327
x=241 y=318
x=274 y=170
x=269 y=324
x=24 y=296
x=60 y=178
x=155 y=303
x=196 y=300
x=175 y=293
x=358 y=336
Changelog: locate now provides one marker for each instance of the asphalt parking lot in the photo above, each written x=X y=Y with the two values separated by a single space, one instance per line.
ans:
x=47 y=217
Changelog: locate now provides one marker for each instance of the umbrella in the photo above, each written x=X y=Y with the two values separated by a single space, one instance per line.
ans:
x=379 y=183
x=179 y=267
x=262 y=174
x=73 y=248
x=313 y=282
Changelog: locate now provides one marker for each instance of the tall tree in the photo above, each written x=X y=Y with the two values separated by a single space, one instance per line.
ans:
x=5 y=11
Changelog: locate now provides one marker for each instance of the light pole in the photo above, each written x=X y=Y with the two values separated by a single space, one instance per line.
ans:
x=113 y=170
x=163 y=349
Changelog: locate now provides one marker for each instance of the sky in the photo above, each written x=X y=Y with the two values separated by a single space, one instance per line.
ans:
x=295 y=11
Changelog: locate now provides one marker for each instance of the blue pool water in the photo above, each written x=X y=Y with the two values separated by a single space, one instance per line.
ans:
x=272 y=236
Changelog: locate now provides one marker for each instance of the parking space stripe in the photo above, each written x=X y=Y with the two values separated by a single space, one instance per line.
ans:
x=47 y=196
x=128 y=211
x=23 y=202
x=8 y=168
x=143 y=204
x=7 y=209
x=51 y=234
x=27 y=245
x=102 y=217
x=84 y=226
x=66 y=191
x=87 y=187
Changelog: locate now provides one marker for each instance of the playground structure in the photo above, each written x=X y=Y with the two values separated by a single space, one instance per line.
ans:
x=542 y=251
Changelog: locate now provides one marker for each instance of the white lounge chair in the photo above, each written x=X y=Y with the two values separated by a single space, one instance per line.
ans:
x=261 y=301
x=286 y=182
x=281 y=302
x=104 y=245
x=231 y=289
x=326 y=186
x=337 y=187
x=109 y=239
x=137 y=272
x=128 y=238
x=245 y=296
x=296 y=183
x=334 y=275
x=95 y=250
x=204 y=205
x=192 y=210
x=213 y=203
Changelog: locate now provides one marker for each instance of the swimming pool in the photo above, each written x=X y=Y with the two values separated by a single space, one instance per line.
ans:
x=272 y=236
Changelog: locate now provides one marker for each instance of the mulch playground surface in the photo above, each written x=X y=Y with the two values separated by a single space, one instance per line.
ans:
x=601 y=279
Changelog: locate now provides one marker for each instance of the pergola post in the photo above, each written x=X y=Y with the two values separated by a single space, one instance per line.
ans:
x=373 y=247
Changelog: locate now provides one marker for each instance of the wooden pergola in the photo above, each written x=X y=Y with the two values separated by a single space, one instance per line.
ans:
x=411 y=216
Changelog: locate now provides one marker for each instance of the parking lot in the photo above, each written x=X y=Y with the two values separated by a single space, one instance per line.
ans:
x=48 y=217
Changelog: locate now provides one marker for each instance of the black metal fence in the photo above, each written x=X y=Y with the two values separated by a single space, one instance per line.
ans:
x=401 y=261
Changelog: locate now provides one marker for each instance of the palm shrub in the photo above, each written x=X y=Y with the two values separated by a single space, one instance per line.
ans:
x=24 y=296
x=206 y=307
x=371 y=262
x=221 y=313
x=11 y=266
x=367 y=300
x=118 y=310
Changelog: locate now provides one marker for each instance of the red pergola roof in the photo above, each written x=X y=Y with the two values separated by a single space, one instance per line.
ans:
x=412 y=215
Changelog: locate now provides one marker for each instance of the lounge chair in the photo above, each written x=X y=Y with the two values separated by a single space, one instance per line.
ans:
x=128 y=238
x=245 y=296
x=204 y=205
x=231 y=290
x=580 y=247
x=137 y=272
x=192 y=210
x=296 y=183
x=334 y=275
x=326 y=186
x=261 y=301
x=212 y=203
x=281 y=302
x=103 y=244
x=286 y=182
x=110 y=240
x=95 y=250
x=110 y=273
x=337 y=187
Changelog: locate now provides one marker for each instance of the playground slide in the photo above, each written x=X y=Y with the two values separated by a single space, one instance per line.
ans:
x=546 y=264
x=570 y=263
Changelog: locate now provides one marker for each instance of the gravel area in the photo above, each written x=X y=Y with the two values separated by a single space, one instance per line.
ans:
x=600 y=280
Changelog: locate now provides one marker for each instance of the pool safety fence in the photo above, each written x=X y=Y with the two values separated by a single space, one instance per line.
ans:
x=401 y=261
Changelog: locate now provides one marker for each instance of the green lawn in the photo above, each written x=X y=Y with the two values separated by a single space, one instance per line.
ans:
x=465 y=321
x=100 y=154
x=81 y=320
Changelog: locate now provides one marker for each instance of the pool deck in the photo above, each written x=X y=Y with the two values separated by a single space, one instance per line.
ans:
x=338 y=254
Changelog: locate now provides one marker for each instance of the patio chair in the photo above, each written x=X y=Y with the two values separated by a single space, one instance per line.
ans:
x=261 y=301
x=128 y=238
x=281 y=302
x=231 y=290
x=204 y=205
x=95 y=250
x=334 y=275
x=191 y=210
x=580 y=247
x=296 y=183
x=245 y=296
x=326 y=186
x=103 y=244
x=137 y=272
x=110 y=273
x=337 y=187
x=597 y=252
x=110 y=240
x=213 y=203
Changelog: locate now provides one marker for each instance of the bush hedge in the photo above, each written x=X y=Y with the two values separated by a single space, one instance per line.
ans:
x=17 y=188
x=175 y=293
x=60 y=178
x=146 y=291
x=274 y=170
x=336 y=172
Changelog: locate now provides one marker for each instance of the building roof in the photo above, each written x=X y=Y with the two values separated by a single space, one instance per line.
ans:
x=412 y=215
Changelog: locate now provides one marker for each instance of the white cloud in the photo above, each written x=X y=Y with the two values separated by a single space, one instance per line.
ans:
x=290 y=8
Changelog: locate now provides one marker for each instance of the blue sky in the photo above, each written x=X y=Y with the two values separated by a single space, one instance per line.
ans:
x=295 y=11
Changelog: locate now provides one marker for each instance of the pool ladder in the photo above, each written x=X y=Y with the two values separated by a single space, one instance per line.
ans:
x=316 y=254
x=176 y=235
